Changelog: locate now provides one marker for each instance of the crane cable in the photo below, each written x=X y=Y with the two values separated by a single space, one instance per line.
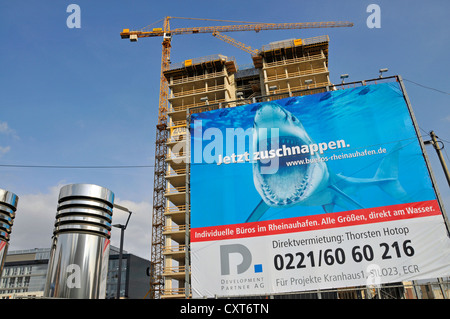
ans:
x=202 y=19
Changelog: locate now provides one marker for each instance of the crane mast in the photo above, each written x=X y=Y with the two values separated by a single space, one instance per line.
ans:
x=159 y=183
x=159 y=186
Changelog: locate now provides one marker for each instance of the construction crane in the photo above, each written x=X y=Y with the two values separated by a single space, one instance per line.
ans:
x=240 y=45
x=159 y=186
x=167 y=34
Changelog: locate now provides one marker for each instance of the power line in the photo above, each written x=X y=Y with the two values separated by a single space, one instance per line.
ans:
x=75 y=166
x=138 y=166
x=427 y=87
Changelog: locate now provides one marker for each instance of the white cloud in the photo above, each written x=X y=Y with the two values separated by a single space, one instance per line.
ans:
x=5 y=129
x=4 y=150
x=35 y=218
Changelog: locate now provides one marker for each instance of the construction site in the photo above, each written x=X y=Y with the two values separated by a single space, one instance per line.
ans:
x=198 y=84
x=189 y=157
x=286 y=68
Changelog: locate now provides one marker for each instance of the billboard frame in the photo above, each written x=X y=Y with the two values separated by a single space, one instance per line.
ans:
x=274 y=97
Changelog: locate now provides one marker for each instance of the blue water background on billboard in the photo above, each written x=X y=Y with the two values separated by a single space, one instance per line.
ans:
x=368 y=117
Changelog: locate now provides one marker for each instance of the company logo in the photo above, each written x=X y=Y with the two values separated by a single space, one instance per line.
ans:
x=236 y=255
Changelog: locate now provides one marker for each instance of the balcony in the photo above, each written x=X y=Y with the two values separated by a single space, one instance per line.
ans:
x=171 y=172
x=181 y=123
x=202 y=90
x=174 y=293
x=176 y=157
x=176 y=232
x=182 y=108
x=175 y=272
x=290 y=75
x=175 y=190
x=310 y=58
x=176 y=195
x=176 y=175
x=300 y=87
x=176 y=252
x=190 y=79
x=177 y=213
x=177 y=138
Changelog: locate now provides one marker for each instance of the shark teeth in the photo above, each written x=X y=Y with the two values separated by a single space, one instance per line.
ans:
x=280 y=183
x=288 y=185
x=274 y=199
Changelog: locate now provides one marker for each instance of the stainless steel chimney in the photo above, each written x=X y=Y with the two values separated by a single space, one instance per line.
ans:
x=8 y=207
x=79 y=255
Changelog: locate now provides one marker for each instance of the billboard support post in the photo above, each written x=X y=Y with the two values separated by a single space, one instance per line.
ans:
x=188 y=210
x=434 y=142
x=427 y=160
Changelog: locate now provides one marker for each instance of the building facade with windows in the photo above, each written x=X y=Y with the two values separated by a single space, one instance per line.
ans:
x=25 y=272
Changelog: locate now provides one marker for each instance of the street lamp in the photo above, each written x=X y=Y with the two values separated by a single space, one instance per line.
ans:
x=122 y=233
x=344 y=76
x=205 y=99
x=382 y=71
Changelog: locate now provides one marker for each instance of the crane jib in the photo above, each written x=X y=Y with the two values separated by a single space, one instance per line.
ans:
x=232 y=28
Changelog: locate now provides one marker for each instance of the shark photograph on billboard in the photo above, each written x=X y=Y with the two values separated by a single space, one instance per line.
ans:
x=312 y=192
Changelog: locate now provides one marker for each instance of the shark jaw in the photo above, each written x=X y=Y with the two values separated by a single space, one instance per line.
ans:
x=286 y=185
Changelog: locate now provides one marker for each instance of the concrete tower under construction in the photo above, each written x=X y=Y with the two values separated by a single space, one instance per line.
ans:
x=285 y=68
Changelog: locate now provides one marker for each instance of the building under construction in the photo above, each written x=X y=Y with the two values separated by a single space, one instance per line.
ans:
x=201 y=84
x=290 y=67
x=280 y=69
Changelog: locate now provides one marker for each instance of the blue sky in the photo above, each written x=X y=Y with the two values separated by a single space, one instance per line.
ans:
x=85 y=97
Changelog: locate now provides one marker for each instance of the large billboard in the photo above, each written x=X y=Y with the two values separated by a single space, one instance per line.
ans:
x=321 y=191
